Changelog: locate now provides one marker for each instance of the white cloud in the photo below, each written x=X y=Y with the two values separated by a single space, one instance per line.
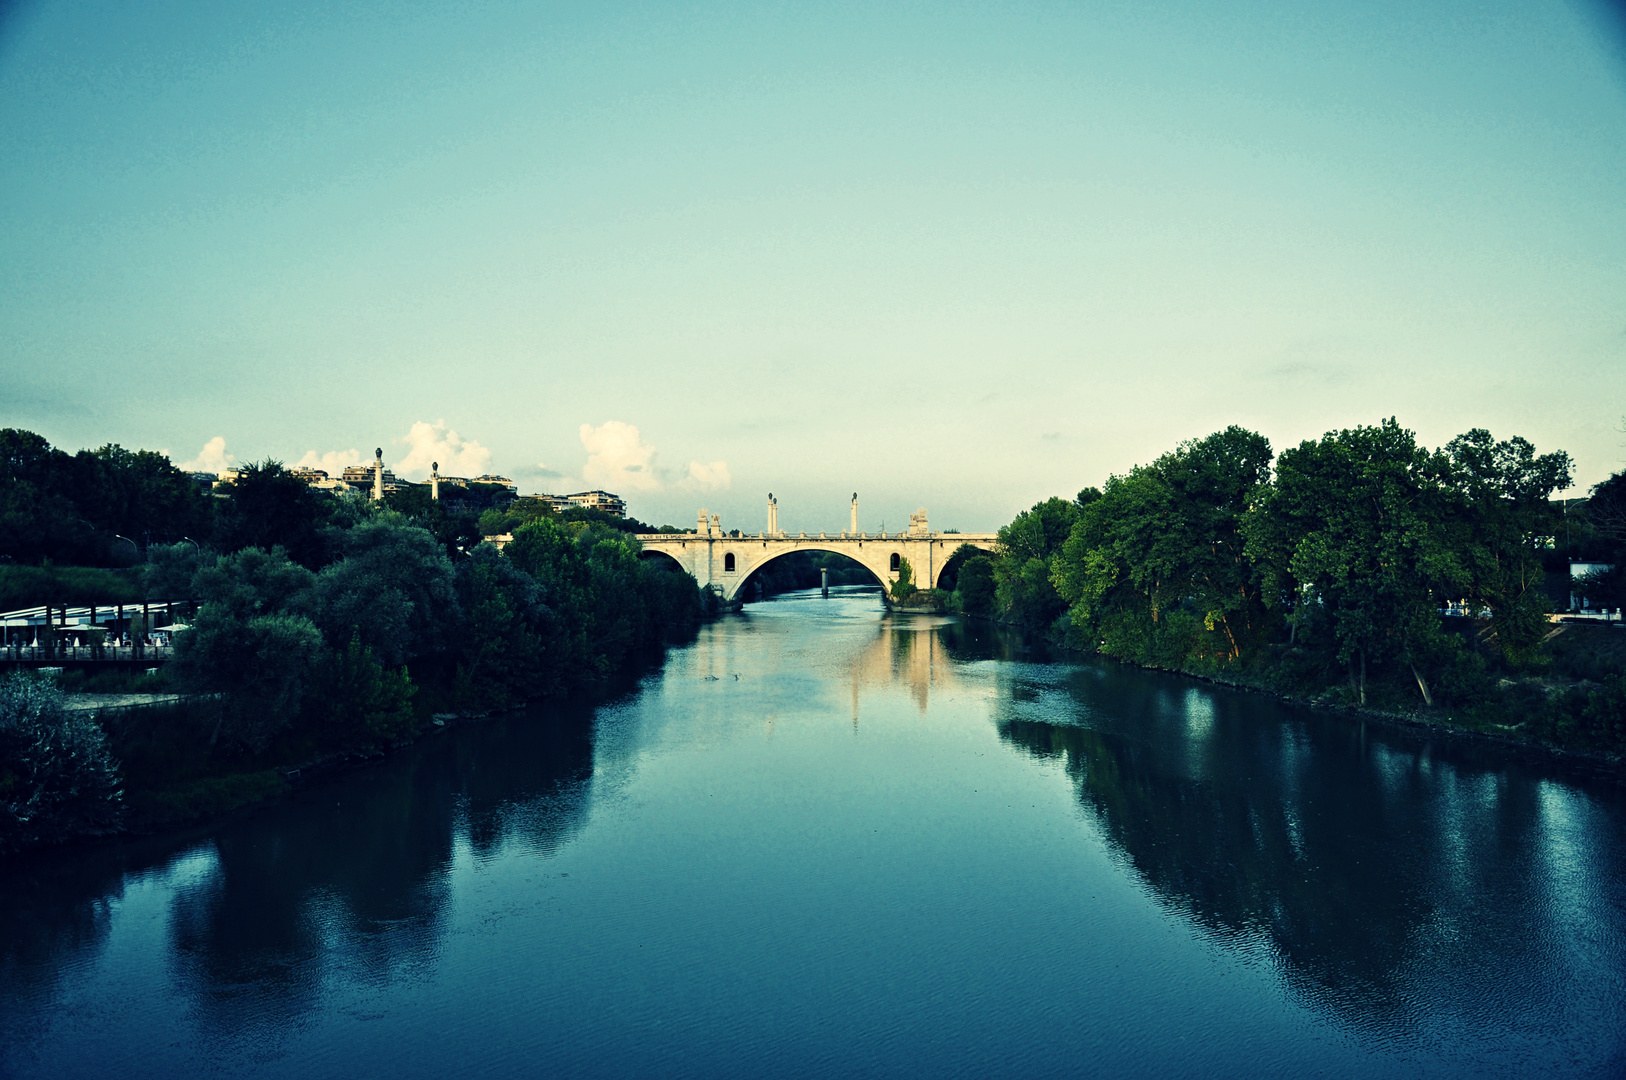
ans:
x=212 y=458
x=703 y=477
x=332 y=462
x=427 y=443
x=618 y=458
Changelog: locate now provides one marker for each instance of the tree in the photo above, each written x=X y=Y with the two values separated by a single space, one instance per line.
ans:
x=267 y=507
x=974 y=589
x=1167 y=538
x=1023 y=589
x=261 y=665
x=57 y=778
x=1504 y=515
x=394 y=587
x=38 y=517
x=138 y=493
x=247 y=645
x=358 y=704
x=1357 y=527
x=509 y=650
x=250 y=582
x=1605 y=515
x=903 y=588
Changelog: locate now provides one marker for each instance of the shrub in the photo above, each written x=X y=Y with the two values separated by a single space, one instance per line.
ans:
x=57 y=778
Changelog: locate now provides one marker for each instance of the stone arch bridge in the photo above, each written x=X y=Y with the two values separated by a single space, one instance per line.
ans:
x=722 y=562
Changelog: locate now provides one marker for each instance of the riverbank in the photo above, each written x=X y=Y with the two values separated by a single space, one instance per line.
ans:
x=1599 y=650
x=172 y=781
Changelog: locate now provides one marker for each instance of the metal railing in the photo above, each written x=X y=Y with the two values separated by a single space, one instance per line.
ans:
x=81 y=654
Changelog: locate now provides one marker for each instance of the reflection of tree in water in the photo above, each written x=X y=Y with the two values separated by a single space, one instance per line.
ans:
x=1386 y=876
x=350 y=873
x=355 y=873
x=53 y=912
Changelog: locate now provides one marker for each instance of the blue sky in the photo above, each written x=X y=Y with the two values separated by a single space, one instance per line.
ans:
x=955 y=256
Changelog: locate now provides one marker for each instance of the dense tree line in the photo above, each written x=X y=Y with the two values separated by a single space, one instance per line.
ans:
x=1326 y=569
x=323 y=624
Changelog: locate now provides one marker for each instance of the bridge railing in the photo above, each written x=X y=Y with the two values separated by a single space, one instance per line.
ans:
x=82 y=654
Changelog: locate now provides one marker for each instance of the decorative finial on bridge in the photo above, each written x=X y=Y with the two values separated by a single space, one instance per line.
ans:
x=378 y=475
x=434 y=481
x=855 y=514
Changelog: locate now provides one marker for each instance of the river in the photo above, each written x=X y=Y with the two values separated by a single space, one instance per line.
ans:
x=822 y=841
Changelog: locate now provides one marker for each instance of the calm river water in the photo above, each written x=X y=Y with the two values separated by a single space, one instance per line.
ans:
x=826 y=842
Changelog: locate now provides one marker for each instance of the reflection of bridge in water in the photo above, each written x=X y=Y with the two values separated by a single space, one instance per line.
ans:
x=723 y=562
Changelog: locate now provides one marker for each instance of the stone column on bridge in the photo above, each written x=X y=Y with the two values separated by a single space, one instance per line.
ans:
x=773 y=515
x=434 y=481
x=378 y=475
x=855 y=514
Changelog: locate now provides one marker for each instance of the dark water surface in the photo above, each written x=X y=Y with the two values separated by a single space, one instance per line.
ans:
x=824 y=842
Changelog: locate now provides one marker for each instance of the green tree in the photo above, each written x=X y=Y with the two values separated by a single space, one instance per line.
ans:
x=1167 y=540
x=261 y=666
x=509 y=650
x=266 y=507
x=1505 y=515
x=38 y=517
x=394 y=586
x=139 y=494
x=974 y=589
x=246 y=645
x=1023 y=589
x=359 y=705
x=904 y=587
x=57 y=777
x=1357 y=528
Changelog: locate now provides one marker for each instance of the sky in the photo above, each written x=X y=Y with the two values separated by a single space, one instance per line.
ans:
x=962 y=257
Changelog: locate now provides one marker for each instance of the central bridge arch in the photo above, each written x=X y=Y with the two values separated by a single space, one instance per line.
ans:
x=723 y=563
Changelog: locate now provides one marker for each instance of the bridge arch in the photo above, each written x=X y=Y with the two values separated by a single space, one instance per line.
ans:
x=651 y=555
x=741 y=589
x=725 y=563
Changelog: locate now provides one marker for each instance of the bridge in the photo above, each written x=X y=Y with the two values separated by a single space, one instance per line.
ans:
x=723 y=562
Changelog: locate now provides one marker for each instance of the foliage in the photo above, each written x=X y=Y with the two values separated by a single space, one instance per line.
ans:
x=291 y=574
x=1156 y=562
x=1504 y=514
x=31 y=586
x=251 y=582
x=1358 y=527
x=169 y=570
x=393 y=586
x=268 y=507
x=1023 y=592
x=610 y=604
x=974 y=590
x=904 y=587
x=261 y=666
x=246 y=645
x=513 y=647
x=498 y=521
x=57 y=778
x=358 y=705
x=74 y=508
